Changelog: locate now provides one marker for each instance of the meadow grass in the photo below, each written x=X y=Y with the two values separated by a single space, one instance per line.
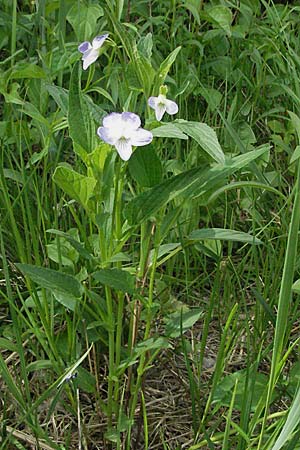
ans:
x=154 y=303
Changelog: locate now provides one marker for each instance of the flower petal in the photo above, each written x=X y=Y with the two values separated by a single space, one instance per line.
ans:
x=111 y=119
x=106 y=135
x=171 y=107
x=160 y=110
x=131 y=121
x=89 y=57
x=124 y=148
x=152 y=102
x=84 y=46
x=98 y=41
x=141 y=137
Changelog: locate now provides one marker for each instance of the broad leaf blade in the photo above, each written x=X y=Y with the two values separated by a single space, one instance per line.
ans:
x=83 y=19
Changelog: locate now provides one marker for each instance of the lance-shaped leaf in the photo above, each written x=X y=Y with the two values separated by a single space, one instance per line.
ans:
x=222 y=234
x=165 y=67
x=66 y=288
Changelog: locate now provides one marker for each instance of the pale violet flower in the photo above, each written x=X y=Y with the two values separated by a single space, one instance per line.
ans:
x=90 y=52
x=161 y=105
x=124 y=131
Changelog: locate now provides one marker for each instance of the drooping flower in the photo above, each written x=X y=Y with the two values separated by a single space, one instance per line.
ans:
x=90 y=52
x=161 y=105
x=123 y=130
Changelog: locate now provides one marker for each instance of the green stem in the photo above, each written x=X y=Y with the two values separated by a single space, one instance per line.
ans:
x=111 y=353
x=111 y=334
x=142 y=362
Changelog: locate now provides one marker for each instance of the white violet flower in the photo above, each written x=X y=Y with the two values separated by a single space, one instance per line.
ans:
x=124 y=131
x=161 y=105
x=90 y=52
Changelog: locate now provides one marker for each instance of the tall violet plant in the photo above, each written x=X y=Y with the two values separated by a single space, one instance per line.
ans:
x=124 y=132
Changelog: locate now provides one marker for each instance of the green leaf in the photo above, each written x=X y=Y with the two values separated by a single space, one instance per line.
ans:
x=64 y=251
x=244 y=184
x=295 y=155
x=75 y=243
x=117 y=279
x=60 y=95
x=221 y=16
x=64 y=254
x=169 y=131
x=181 y=321
x=31 y=111
x=150 y=344
x=212 y=96
x=164 y=249
x=78 y=116
x=14 y=175
x=223 y=235
x=296 y=286
x=41 y=364
x=295 y=122
x=189 y=184
x=145 y=46
x=143 y=70
x=66 y=300
x=83 y=19
x=165 y=67
x=11 y=384
x=7 y=344
x=205 y=136
x=223 y=393
x=27 y=71
x=53 y=280
x=96 y=159
x=193 y=7
x=145 y=166
x=77 y=186
x=85 y=380
x=143 y=347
